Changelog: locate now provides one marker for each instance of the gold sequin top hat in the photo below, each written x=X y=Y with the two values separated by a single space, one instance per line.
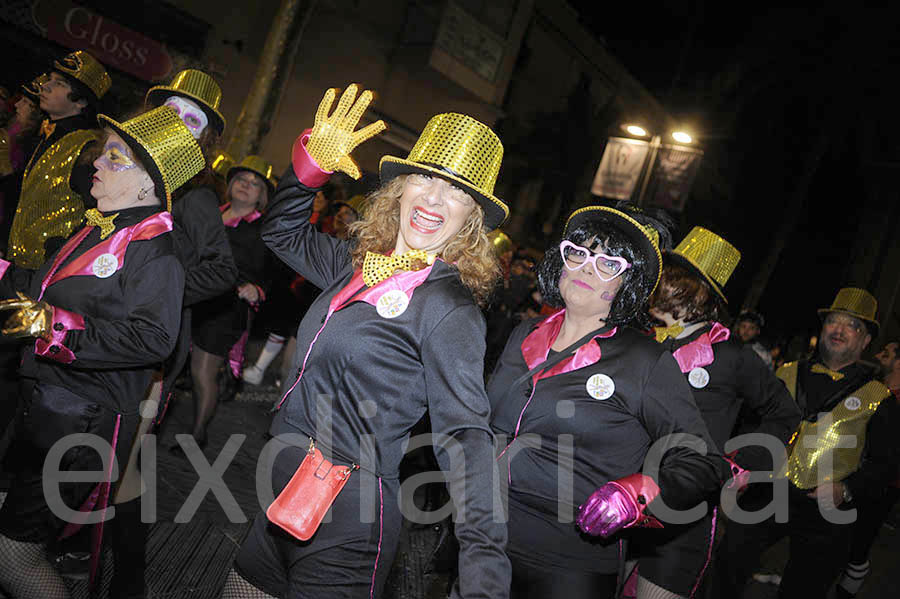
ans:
x=461 y=150
x=858 y=303
x=501 y=242
x=357 y=203
x=164 y=145
x=645 y=236
x=222 y=163
x=708 y=255
x=85 y=68
x=32 y=89
x=257 y=165
x=196 y=86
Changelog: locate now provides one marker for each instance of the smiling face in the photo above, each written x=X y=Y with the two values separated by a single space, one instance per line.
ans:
x=843 y=339
x=119 y=180
x=432 y=213
x=193 y=117
x=582 y=289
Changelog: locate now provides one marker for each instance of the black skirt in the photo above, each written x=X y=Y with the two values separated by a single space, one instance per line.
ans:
x=218 y=323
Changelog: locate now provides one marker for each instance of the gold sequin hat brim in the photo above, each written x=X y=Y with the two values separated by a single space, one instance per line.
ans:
x=163 y=144
x=460 y=150
x=708 y=255
x=196 y=86
x=256 y=165
x=647 y=242
x=857 y=303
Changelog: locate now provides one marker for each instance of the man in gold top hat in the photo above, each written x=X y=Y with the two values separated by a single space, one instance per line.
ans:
x=843 y=452
x=56 y=184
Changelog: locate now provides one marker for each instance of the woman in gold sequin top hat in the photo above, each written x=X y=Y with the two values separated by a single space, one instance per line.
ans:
x=396 y=332
x=97 y=318
x=726 y=380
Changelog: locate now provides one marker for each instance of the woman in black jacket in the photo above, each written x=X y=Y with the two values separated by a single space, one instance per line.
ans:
x=396 y=332
x=727 y=379
x=104 y=312
x=220 y=323
x=579 y=399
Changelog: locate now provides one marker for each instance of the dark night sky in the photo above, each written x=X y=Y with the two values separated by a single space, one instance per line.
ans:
x=763 y=87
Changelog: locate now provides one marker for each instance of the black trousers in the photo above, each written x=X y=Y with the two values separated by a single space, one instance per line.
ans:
x=529 y=582
x=818 y=548
x=871 y=515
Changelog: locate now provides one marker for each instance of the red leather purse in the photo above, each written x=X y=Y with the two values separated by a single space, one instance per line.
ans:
x=302 y=504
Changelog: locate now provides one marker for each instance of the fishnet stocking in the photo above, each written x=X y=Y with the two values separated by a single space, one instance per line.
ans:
x=25 y=572
x=236 y=587
x=648 y=590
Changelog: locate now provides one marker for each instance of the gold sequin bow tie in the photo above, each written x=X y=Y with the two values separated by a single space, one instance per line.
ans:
x=47 y=128
x=377 y=267
x=664 y=332
x=819 y=369
x=95 y=219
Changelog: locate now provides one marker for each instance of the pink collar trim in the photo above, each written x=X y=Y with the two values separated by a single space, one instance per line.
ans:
x=150 y=227
x=536 y=347
x=699 y=352
x=234 y=222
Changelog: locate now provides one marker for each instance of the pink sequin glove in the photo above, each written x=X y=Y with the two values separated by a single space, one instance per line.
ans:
x=618 y=504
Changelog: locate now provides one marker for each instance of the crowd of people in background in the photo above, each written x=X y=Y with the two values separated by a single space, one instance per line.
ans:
x=138 y=258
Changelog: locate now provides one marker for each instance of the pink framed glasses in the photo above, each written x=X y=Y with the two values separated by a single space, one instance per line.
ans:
x=606 y=267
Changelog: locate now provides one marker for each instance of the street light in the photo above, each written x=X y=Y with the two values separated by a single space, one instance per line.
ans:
x=636 y=130
x=655 y=142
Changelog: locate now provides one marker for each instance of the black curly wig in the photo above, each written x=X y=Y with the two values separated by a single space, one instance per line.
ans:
x=630 y=305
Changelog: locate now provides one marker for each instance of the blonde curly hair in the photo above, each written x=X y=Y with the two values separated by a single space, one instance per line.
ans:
x=470 y=252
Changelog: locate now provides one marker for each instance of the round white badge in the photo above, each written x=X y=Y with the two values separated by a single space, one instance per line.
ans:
x=600 y=386
x=852 y=403
x=698 y=378
x=105 y=265
x=392 y=303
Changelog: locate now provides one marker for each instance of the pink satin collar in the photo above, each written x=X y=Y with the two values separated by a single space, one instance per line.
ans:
x=150 y=227
x=233 y=222
x=405 y=281
x=536 y=347
x=699 y=352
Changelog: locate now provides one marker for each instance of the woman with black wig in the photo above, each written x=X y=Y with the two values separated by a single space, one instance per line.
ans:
x=725 y=378
x=600 y=395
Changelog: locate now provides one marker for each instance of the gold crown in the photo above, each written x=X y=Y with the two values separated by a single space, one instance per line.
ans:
x=33 y=87
x=197 y=86
x=856 y=302
x=164 y=145
x=458 y=148
x=710 y=255
x=85 y=68
x=254 y=164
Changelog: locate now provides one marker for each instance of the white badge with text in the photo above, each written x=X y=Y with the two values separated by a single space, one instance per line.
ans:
x=698 y=378
x=852 y=403
x=600 y=386
x=105 y=265
x=392 y=303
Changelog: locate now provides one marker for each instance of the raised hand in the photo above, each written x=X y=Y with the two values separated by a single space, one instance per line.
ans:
x=333 y=137
x=31 y=319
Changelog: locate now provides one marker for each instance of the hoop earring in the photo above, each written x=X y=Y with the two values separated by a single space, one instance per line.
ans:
x=141 y=195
